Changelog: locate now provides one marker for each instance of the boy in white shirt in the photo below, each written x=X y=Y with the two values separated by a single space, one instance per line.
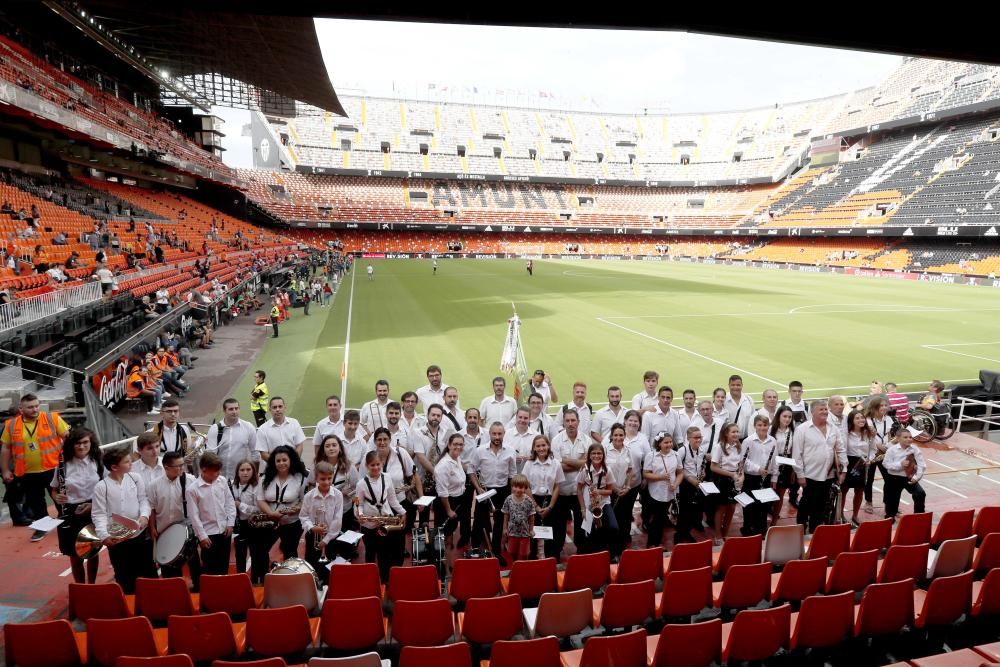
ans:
x=213 y=514
x=321 y=514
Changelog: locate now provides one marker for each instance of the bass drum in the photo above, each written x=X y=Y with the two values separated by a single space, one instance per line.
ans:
x=296 y=566
x=174 y=545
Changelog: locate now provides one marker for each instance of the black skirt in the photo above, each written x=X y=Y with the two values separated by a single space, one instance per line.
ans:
x=857 y=472
x=727 y=489
x=70 y=528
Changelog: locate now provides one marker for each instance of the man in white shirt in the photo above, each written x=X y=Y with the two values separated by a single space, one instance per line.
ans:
x=332 y=423
x=903 y=474
x=474 y=437
x=173 y=436
x=430 y=443
x=583 y=409
x=410 y=420
x=279 y=430
x=570 y=447
x=663 y=419
x=739 y=406
x=645 y=400
x=163 y=299
x=541 y=384
x=233 y=439
x=452 y=412
x=688 y=412
x=608 y=416
x=800 y=410
x=433 y=391
x=498 y=407
x=168 y=505
x=353 y=438
x=820 y=454
x=518 y=436
x=837 y=404
x=538 y=421
x=493 y=466
x=770 y=398
x=398 y=435
x=710 y=427
x=373 y=412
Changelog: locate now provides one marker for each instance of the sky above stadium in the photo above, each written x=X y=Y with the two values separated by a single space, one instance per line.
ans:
x=609 y=70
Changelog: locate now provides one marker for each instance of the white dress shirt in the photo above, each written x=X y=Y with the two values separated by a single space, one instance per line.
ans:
x=149 y=474
x=586 y=413
x=656 y=422
x=211 y=507
x=605 y=418
x=619 y=462
x=760 y=460
x=418 y=422
x=728 y=461
x=814 y=451
x=81 y=478
x=882 y=428
x=741 y=412
x=355 y=448
x=895 y=456
x=472 y=443
x=600 y=479
x=659 y=464
x=543 y=475
x=710 y=433
x=495 y=468
x=171 y=439
x=238 y=443
x=245 y=498
x=270 y=436
x=323 y=509
x=326 y=427
x=519 y=443
x=643 y=400
x=493 y=410
x=543 y=390
x=127 y=498
x=563 y=448
x=859 y=446
x=457 y=414
x=428 y=396
x=373 y=415
x=685 y=421
x=449 y=477
x=763 y=412
x=282 y=494
x=399 y=467
x=691 y=460
x=165 y=500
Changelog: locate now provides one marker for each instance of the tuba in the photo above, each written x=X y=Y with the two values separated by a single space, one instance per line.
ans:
x=88 y=544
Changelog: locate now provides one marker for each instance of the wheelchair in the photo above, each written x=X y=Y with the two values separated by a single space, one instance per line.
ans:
x=936 y=423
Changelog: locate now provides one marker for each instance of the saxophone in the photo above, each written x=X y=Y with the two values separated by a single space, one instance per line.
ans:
x=264 y=520
x=595 y=508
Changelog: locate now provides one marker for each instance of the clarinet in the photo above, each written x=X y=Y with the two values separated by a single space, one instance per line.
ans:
x=63 y=490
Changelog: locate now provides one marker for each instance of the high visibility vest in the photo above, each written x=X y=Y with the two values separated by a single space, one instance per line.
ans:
x=48 y=440
x=131 y=390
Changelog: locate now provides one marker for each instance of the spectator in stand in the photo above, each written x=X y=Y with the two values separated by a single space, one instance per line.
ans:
x=163 y=299
x=73 y=261
x=60 y=239
x=158 y=252
x=149 y=309
x=899 y=404
x=40 y=259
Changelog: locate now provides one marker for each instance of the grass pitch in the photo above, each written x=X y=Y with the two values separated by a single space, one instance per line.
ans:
x=607 y=322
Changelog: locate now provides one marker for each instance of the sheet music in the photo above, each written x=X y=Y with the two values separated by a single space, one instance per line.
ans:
x=765 y=495
x=785 y=461
x=708 y=488
x=45 y=524
x=349 y=537
x=423 y=501
x=744 y=499
x=543 y=532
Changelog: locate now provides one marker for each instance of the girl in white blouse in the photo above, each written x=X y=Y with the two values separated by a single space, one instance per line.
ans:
x=726 y=459
x=80 y=470
x=595 y=484
x=280 y=497
x=398 y=465
x=544 y=474
x=345 y=476
x=663 y=473
x=881 y=425
x=244 y=490
x=375 y=496
x=782 y=429
x=621 y=463
x=859 y=454
x=449 y=482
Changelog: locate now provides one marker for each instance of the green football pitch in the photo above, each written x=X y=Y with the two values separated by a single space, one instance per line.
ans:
x=607 y=322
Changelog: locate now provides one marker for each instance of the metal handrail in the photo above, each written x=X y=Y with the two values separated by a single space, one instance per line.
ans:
x=21 y=312
x=985 y=420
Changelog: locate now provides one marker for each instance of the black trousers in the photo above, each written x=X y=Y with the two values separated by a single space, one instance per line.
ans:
x=894 y=487
x=623 y=506
x=483 y=516
x=132 y=559
x=386 y=549
x=215 y=559
x=260 y=541
x=465 y=512
x=274 y=323
x=870 y=480
x=35 y=485
x=566 y=507
x=692 y=506
x=259 y=416
x=241 y=545
x=441 y=519
x=314 y=549
x=814 y=499
x=754 y=514
x=194 y=568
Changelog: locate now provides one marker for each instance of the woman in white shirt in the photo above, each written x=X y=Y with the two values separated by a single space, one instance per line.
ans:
x=621 y=463
x=545 y=474
x=244 y=490
x=123 y=493
x=859 y=454
x=782 y=429
x=449 y=483
x=726 y=460
x=398 y=465
x=345 y=475
x=663 y=474
x=719 y=405
x=374 y=496
x=880 y=423
x=280 y=497
x=595 y=483
x=80 y=469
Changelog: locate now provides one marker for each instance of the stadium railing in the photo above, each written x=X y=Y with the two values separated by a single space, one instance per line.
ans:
x=32 y=309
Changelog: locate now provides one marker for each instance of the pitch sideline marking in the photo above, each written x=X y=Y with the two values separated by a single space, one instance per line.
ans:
x=940 y=347
x=805 y=312
x=691 y=352
x=347 y=342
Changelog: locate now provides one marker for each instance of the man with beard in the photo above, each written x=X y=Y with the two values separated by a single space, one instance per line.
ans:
x=570 y=447
x=687 y=413
x=410 y=420
x=518 y=436
x=584 y=410
x=605 y=418
x=663 y=419
x=493 y=467
x=331 y=424
x=538 y=421
x=373 y=412
x=429 y=443
x=452 y=412
x=433 y=391
x=499 y=407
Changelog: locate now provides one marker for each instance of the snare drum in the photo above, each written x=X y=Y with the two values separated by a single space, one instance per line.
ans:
x=174 y=545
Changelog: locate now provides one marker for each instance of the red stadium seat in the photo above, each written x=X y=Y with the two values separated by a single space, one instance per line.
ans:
x=904 y=562
x=231 y=593
x=541 y=652
x=280 y=631
x=158 y=599
x=885 y=609
x=586 y=571
x=419 y=582
x=953 y=525
x=352 y=624
x=44 y=644
x=107 y=639
x=689 y=645
x=87 y=601
x=638 y=565
x=852 y=571
x=204 y=637
x=945 y=601
x=685 y=593
x=474 y=578
x=627 y=650
x=177 y=660
x=354 y=581
x=987 y=521
x=756 y=634
x=986 y=594
x=689 y=556
x=829 y=541
x=823 y=621
x=450 y=655
x=913 y=529
x=798 y=580
x=987 y=555
x=423 y=623
x=486 y=620
x=744 y=586
x=738 y=551
x=872 y=535
x=529 y=579
x=626 y=605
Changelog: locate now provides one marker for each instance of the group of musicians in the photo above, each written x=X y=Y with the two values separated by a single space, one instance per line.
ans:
x=195 y=505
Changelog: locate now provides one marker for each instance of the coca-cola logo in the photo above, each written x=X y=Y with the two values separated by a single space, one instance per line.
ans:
x=111 y=383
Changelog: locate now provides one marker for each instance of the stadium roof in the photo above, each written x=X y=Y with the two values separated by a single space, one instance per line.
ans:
x=273 y=54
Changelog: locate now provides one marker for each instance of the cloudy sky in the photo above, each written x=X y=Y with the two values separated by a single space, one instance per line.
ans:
x=618 y=70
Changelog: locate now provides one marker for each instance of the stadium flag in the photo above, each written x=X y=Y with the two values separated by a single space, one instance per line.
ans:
x=512 y=360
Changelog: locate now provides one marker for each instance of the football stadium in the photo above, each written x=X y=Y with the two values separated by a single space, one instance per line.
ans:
x=307 y=340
